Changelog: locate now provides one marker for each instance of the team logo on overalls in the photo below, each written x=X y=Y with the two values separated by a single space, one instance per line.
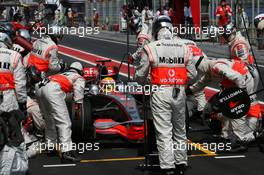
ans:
x=171 y=72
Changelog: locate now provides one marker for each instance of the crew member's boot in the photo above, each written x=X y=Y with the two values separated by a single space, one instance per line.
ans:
x=168 y=171
x=69 y=157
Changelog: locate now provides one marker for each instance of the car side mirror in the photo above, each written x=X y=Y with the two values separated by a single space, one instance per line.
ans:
x=93 y=89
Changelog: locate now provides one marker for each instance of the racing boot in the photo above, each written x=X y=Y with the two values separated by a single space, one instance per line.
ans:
x=168 y=171
x=180 y=169
x=69 y=157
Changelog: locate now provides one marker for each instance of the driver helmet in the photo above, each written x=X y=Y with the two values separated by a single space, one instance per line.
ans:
x=107 y=85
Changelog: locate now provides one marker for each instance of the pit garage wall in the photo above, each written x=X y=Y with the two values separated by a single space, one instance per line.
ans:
x=110 y=10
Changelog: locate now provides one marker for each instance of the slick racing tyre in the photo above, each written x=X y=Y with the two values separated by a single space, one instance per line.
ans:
x=82 y=126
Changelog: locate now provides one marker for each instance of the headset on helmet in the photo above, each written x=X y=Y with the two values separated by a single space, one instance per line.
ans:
x=162 y=21
x=77 y=66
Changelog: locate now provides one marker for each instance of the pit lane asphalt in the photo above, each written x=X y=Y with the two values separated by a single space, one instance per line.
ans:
x=105 y=162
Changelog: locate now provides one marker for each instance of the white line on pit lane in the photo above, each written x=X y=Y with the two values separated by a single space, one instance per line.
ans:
x=260 y=65
x=230 y=157
x=58 y=165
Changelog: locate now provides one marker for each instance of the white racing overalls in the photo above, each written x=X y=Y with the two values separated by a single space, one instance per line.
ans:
x=143 y=38
x=54 y=109
x=44 y=56
x=240 y=50
x=167 y=62
x=199 y=96
x=229 y=73
x=13 y=84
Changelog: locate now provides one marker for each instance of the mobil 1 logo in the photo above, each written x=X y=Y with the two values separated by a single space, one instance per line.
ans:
x=234 y=102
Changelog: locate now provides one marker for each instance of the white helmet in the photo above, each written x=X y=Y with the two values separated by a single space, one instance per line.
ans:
x=25 y=34
x=5 y=39
x=261 y=25
x=77 y=66
x=162 y=21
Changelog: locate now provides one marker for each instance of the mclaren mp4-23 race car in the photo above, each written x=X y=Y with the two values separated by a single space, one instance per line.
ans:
x=107 y=110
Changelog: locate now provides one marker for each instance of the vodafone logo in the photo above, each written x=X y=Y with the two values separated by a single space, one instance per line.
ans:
x=171 y=72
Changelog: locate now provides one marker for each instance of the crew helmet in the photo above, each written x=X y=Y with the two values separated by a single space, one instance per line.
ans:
x=5 y=39
x=77 y=66
x=162 y=21
x=25 y=34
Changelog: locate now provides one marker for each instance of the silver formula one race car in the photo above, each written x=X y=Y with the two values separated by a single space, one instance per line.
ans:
x=108 y=111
